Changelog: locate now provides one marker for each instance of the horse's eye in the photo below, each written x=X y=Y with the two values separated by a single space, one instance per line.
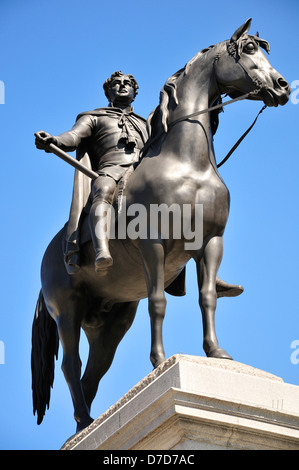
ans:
x=250 y=47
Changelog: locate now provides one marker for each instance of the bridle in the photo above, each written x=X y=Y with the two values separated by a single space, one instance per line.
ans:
x=257 y=90
x=259 y=85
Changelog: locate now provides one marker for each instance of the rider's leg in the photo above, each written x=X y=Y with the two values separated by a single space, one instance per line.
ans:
x=103 y=189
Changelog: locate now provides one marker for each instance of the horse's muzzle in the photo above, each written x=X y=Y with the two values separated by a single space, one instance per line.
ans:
x=278 y=94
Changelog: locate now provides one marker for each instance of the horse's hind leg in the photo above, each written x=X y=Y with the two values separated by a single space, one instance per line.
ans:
x=68 y=325
x=207 y=268
x=103 y=341
x=153 y=262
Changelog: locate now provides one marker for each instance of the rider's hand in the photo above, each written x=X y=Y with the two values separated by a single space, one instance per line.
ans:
x=43 y=140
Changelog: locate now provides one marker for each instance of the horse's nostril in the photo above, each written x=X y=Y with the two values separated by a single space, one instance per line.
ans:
x=282 y=82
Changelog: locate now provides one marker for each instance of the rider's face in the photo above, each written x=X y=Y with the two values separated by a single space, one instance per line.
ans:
x=121 y=90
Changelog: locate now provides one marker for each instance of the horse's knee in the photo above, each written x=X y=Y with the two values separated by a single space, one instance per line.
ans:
x=71 y=367
x=157 y=304
x=208 y=298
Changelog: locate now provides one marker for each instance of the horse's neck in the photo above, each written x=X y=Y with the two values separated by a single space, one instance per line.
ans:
x=191 y=138
x=195 y=90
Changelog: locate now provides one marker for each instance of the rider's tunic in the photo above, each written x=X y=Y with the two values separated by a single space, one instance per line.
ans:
x=113 y=139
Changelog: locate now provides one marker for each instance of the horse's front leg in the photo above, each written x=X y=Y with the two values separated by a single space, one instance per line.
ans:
x=153 y=262
x=207 y=268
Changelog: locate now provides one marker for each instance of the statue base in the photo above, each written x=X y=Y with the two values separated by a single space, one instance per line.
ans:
x=196 y=403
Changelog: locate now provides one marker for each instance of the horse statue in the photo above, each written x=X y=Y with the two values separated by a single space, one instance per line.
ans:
x=178 y=167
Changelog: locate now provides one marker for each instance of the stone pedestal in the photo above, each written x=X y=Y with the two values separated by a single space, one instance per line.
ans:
x=193 y=403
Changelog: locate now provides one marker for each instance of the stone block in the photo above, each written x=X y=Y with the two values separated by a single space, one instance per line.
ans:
x=192 y=403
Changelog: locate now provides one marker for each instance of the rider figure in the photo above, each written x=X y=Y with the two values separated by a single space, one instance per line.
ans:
x=115 y=136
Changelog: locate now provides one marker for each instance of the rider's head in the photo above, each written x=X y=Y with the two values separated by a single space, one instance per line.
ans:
x=120 y=88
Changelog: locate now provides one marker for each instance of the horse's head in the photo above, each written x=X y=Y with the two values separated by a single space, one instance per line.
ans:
x=242 y=67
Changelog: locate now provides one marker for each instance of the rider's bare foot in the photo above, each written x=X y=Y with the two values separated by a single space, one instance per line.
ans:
x=224 y=289
x=103 y=262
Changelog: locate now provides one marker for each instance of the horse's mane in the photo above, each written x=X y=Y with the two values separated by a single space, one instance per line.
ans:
x=158 y=119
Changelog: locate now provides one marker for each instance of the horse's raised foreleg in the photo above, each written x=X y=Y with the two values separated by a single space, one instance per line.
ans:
x=69 y=334
x=153 y=262
x=103 y=341
x=207 y=268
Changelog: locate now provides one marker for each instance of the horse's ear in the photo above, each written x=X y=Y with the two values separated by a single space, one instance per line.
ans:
x=242 y=30
x=265 y=45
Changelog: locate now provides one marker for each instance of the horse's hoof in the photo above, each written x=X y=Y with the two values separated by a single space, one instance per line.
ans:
x=219 y=353
x=84 y=424
x=157 y=361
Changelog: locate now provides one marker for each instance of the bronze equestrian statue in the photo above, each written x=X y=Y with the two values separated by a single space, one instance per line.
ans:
x=178 y=168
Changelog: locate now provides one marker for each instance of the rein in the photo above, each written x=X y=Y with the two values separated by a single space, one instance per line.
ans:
x=221 y=105
x=213 y=108
x=241 y=138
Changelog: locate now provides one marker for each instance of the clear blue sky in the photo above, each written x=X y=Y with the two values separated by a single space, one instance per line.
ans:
x=55 y=55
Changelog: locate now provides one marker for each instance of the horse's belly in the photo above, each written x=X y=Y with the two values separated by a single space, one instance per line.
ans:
x=125 y=279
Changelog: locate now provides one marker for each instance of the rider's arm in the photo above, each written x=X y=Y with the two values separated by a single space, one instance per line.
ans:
x=71 y=140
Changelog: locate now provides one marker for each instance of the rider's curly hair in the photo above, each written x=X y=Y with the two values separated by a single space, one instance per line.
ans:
x=109 y=80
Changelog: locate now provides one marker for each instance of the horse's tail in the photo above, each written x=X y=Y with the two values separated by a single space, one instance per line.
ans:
x=44 y=349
